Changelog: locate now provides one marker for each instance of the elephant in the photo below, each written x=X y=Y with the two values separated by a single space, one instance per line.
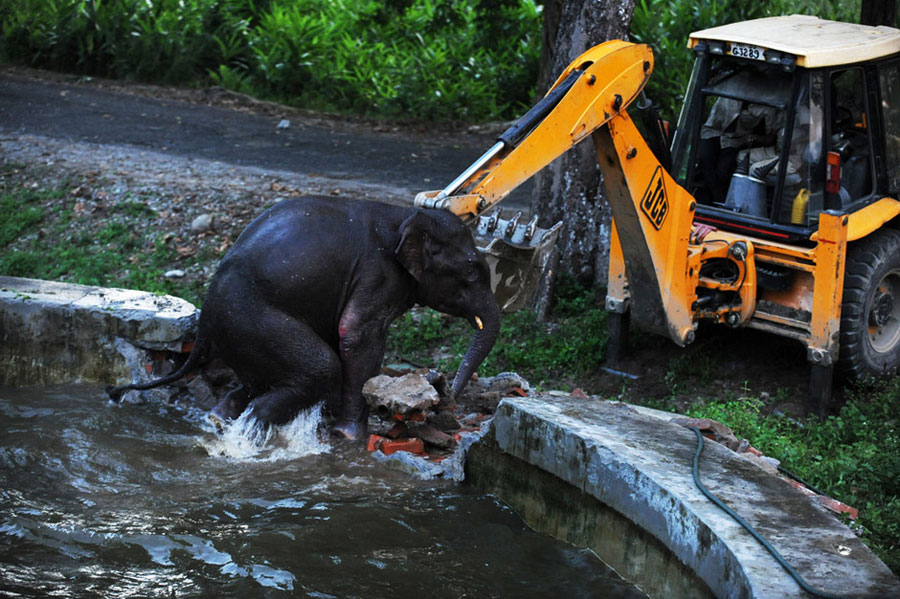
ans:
x=300 y=306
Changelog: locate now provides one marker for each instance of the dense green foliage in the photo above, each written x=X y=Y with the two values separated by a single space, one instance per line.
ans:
x=421 y=59
x=442 y=60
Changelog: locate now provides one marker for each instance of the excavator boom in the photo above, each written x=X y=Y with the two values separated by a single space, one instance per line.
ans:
x=765 y=247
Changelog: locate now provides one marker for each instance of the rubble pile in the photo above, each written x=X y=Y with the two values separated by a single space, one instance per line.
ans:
x=419 y=427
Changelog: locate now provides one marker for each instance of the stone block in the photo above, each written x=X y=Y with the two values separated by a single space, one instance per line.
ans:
x=402 y=395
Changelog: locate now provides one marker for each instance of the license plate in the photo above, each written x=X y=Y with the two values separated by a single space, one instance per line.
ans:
x=746 y=51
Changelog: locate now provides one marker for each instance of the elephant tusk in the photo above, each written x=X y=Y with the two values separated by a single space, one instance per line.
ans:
x=478 y=323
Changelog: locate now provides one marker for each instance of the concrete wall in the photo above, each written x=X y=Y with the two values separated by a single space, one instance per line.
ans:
x=633 y=501
x=59 y=332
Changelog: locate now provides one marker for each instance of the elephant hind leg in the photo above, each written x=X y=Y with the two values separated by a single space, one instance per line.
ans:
x=296 y=369
x=231 y=406
x=280 y=360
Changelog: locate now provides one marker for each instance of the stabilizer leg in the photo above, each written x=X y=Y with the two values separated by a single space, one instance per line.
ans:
x=617 y=344
x=820 y=382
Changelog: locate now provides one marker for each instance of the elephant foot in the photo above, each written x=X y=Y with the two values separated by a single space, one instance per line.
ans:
x=229 y=408
x=217 y=422
x=350 y=429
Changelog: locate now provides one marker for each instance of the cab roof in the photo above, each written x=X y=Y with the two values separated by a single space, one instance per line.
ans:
x=816 y=42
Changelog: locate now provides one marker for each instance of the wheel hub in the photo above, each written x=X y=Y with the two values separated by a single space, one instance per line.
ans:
x=882 y=308
x=884 y=314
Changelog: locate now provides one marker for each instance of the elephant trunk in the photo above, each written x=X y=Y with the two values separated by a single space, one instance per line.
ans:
x=487 y=323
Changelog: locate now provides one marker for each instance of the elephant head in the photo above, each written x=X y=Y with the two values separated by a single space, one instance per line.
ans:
x=451 y=276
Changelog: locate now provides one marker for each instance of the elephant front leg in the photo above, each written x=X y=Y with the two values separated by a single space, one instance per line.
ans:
x=362 y=349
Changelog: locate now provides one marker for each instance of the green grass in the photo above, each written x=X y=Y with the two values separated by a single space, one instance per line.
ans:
x=555 y=352
x=853 y=456
x=42 y=236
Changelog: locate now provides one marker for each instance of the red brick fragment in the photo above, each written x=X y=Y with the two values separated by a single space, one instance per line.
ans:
x=375 y=442
x=579 y=393
x=416 y=416
x=517 y=390
x=836 y=506
x=187 y=347
x=391 y=446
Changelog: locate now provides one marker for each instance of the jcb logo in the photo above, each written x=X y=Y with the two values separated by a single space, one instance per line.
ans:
x=655 y=204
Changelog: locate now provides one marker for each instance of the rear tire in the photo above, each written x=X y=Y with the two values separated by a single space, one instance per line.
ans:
x=870 y=313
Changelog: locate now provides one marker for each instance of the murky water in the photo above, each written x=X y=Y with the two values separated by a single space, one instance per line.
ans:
x=99 y=500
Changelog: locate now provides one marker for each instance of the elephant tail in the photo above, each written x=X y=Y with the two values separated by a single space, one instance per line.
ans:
x=199 y=355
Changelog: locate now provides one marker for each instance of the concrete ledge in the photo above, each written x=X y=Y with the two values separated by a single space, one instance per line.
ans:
x=640 y=466
x=54 y=332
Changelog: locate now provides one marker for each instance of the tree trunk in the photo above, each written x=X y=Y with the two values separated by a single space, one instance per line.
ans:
x=571 y=188
x=878 y=12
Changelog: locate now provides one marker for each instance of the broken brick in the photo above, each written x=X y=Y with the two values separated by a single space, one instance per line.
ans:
x=838 y=506
x=375 y=442
x=391 y=446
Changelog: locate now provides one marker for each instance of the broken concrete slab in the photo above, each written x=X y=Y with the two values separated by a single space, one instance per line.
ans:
x=402 y=395
x=450 y=467
x=640 y=467
x=53 y=332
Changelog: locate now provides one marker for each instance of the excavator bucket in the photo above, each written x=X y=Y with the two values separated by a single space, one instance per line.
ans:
x=517 y=253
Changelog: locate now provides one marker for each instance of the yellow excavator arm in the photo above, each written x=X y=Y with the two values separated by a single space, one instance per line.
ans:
x=594 y=88
x=653 y=214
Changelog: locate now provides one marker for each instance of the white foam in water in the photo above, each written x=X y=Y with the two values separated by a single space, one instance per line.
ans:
x=246 y=438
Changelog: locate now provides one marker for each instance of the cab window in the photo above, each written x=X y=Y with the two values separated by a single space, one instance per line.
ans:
x=849 y=143
x=889 y=79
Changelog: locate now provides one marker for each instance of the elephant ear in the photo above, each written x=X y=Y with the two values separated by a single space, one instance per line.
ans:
x=413 y=249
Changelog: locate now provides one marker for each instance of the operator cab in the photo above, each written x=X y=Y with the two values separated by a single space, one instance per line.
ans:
x=785 y=117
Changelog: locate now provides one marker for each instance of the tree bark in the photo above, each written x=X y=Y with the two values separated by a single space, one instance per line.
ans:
x=571 y=188
x=878 y=12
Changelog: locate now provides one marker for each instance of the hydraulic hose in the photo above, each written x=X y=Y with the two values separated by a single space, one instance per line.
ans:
x=799 y=579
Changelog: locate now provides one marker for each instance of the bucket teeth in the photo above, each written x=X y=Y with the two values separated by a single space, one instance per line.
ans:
x=517 y=253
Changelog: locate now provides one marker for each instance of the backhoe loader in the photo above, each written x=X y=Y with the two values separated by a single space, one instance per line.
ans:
x=773 y=205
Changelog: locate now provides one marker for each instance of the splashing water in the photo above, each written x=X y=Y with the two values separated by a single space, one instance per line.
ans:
x=248 y=439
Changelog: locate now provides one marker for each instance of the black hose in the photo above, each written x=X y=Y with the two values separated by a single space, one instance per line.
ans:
x=696 y=471
x=522 y=127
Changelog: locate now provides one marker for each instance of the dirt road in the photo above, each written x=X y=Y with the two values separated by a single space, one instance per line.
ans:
x=217 y=138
